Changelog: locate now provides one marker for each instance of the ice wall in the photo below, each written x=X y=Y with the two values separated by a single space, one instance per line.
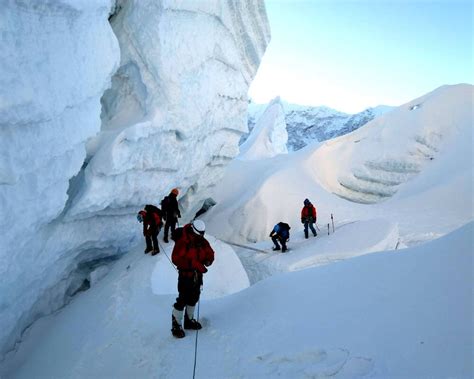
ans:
x=56 y=61
x=178 y=102
x=96 y=121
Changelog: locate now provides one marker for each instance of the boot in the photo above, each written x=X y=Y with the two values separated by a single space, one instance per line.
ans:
x=306 y=235
x=189 y=321
x=275 y=248
x=156 y=251
x=147 y=250
x=165 y=239
x=284 y=250
x=315 y=234
x=176 y=328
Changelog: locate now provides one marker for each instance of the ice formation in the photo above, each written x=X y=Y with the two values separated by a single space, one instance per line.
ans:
x=269 y=136
x=372 y=165
x=104 y=107
x=399 y=163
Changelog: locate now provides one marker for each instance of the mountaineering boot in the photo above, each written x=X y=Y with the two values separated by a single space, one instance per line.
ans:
x=306 y=235
x=275 y=248
x=176 y=328
x=189 y=321
x=165 y=239
x=147 y=250
x=315 y=234
x=156 y=251
x=284 y=250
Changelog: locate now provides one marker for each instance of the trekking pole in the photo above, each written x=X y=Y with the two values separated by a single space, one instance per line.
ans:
x=332 y=220
x=328 y=228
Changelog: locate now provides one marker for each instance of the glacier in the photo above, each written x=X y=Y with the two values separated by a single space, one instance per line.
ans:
x=105 y=106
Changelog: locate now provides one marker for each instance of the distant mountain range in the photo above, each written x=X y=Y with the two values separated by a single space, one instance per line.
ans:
x=307 y=124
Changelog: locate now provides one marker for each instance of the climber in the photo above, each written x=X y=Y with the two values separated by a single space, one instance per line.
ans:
x=151 y=218
x=308 y=217
x=170 y=207
x=191 y=254
x=281 y=233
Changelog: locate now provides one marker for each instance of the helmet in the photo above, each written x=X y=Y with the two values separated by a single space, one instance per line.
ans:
x=199 y=227
x=175 y=191
x=141 y=215
x=306 y=202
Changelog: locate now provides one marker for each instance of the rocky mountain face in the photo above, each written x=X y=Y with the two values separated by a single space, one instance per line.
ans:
x=309 y=124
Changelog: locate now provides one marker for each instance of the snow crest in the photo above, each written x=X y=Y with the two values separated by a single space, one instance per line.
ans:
x=269 y=137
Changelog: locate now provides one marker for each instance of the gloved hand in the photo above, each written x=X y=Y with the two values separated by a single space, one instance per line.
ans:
x=207 y=263
x=302 y=220
x=198 y=266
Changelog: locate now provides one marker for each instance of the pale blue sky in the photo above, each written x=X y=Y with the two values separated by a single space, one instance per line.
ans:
x=350 y=55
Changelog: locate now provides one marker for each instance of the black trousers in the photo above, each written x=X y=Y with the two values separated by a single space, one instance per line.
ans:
x=277 y=238
x=152 y=241
x=170 y=223
x=189 y=289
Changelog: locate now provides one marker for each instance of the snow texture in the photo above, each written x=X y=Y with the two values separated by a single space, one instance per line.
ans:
x=369 y=298
x=105 y=106
x=385 y=315
x=414 y=165
x=269 y=137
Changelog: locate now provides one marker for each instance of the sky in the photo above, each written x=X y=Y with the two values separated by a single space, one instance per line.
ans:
x=350 y=55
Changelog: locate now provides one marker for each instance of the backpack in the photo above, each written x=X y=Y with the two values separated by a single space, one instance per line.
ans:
x=165 y=204
x=284 y=226
x=284 y=230
x=177 y=234
x=154 y=210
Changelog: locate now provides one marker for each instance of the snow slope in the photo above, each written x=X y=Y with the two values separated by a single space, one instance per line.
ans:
x=346 y=304
x=387 y=159
x=386 y=315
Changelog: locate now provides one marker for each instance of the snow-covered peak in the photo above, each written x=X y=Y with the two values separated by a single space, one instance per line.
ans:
x=308 y=124
x=269 y=136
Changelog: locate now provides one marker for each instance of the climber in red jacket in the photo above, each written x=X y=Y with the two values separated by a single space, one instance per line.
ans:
x=308 y=217
x=192 y=253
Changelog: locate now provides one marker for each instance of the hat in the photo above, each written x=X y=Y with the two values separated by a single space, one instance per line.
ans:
x=175 y=191
x=141 y=215
x=306 y=202
x=199 y=227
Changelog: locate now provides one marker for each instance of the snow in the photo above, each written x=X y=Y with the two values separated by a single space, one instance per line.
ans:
x=387 y=294
x=388 y=314
x=269 y=136
x=56 y=61
x=105 y=106
x=307 y=124
x=384 y=153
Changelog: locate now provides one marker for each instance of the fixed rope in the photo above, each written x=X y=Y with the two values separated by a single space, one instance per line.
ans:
x=164 y=251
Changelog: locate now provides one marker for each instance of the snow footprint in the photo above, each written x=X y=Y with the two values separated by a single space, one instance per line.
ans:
x=335 y=363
